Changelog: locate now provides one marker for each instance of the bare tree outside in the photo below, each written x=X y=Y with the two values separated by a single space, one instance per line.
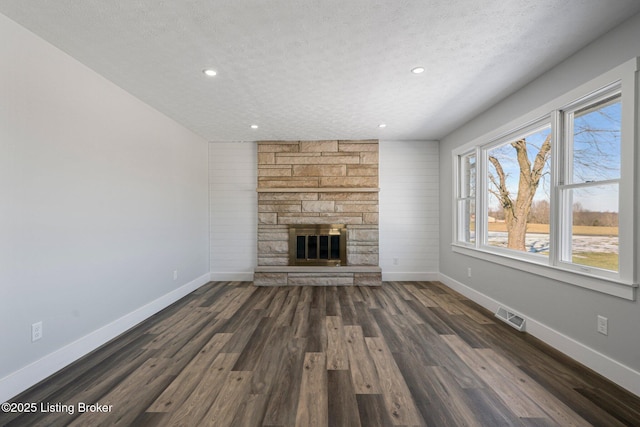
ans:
x=532 y=165
x=518 y=174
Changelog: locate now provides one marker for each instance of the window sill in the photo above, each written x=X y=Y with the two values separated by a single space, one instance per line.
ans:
x=612 y=287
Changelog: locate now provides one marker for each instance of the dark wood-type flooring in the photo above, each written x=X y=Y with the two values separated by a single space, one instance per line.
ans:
x=404 y=354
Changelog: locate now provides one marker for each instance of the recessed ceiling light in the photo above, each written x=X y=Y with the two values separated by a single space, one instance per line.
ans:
x=254 y=126
x=418 y=70
x=209 y=72
x=382 y=125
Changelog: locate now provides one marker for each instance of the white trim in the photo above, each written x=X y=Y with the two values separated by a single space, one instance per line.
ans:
x=615 y=371
x=20 y=380
x=232 y=276
x=411 y=276
x=614 y=287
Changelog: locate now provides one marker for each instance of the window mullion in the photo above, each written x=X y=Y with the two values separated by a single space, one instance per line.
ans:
x=481 y=198
x=555 y=215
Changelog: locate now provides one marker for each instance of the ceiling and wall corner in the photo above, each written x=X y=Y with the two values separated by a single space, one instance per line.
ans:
x=320 y=70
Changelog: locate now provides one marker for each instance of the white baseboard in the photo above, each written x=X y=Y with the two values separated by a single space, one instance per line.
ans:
x=393 y=276
x=232 y=276
x=22 y=379
x=615 y=371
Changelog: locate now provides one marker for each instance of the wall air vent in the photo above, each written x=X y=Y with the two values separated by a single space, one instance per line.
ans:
x=511 y=318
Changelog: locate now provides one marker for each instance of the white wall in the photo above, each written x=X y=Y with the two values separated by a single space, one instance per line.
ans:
x=560 y=313
x=102 y=199
x=408 y=210
x=233 y=171
x=409 y=226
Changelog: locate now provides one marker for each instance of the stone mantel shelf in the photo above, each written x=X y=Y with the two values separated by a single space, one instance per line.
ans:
x=318 y=190
x=318 y=269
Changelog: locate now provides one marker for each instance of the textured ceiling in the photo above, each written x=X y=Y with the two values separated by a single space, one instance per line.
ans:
x=321 y=69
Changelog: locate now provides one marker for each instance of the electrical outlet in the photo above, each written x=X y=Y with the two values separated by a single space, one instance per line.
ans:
x=603 y=325
x=469 y=272
x=175 y=274
x=396 y=261
x=36 y=331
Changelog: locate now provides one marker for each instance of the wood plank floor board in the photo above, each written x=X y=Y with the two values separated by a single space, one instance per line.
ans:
x=317 y=332
x=448 y=394
x=256 y=345
x=289 y=306
x=571 y=397
x=363 y=370
x=90 y=384
x=342 y=403
x=401 y=290
x=313 y=405
x=333 y=303
x=404 y=354
x=552 y=406
x=242 y=330
x=429 y=317
x=419 y=295
x=627 y=414
x=396 y=395
x=150 y=376
x=275 y=307
x=283 y=400
x=194 y=408
x=251 y=411
x=186 y=381
x=371 y=409
x=368 y=297
x=509 y=391
x=365 y=319
x=347 y=309
x=385 y=303
x=437 y=352
x=460 y=324
x=319 y=298
x=390 y=329
x=489 y=409
x=300 y=321
x=337 y=355
x=226 y=405
x=433 y=413
x=213 y=294
x=268 y=363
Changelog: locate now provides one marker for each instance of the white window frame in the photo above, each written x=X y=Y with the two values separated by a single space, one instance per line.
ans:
x=462 y=197
x=622 y=283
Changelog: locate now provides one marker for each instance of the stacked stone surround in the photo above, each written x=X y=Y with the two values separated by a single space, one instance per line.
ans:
x=317 y=182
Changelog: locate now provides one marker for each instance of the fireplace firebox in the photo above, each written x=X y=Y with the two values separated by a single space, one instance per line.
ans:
x=319 y=245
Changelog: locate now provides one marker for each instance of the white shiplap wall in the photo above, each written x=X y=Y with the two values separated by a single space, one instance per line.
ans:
x=409 y=225
x=233 y=209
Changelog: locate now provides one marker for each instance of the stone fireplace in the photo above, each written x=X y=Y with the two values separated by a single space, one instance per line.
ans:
x=317 y=213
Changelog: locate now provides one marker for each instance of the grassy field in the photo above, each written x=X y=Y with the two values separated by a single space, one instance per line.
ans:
x=608 y=261
x=581 y=230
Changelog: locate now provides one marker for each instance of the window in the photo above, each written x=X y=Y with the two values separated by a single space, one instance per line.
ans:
x=555 y=195
x=467 y=199
x=589 y=187
x=518 y=192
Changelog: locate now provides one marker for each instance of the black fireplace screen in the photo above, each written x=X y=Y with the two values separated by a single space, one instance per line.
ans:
x=317 y=245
